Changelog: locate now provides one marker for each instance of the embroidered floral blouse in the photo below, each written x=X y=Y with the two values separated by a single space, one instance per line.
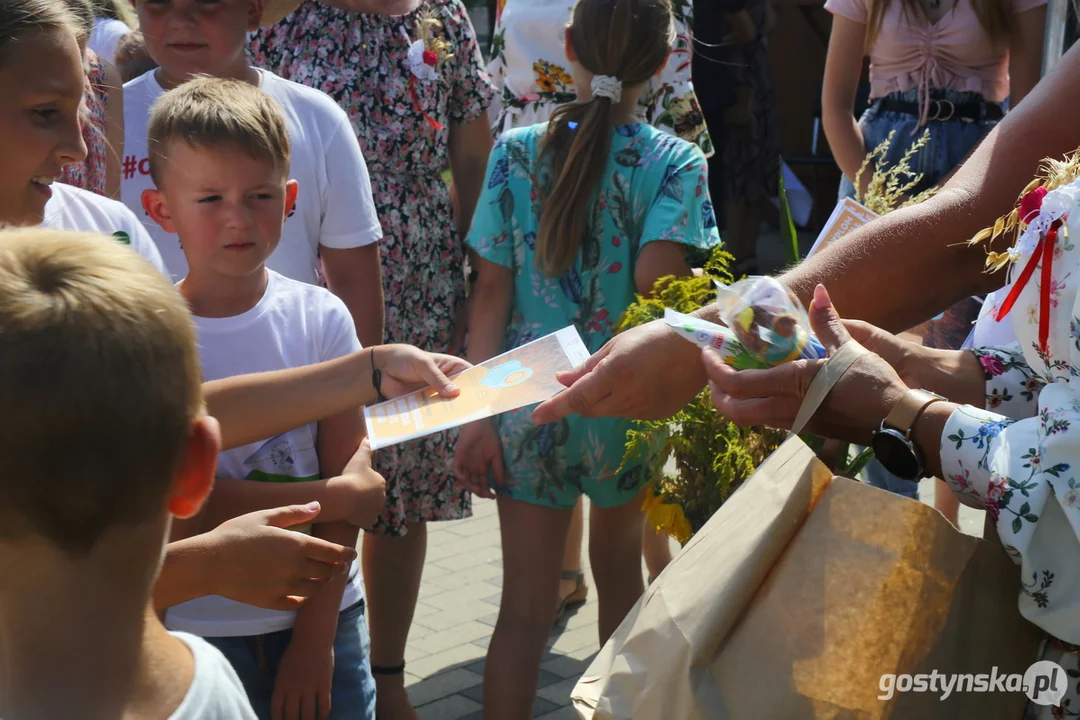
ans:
x=530 y=70
x=1020 y=457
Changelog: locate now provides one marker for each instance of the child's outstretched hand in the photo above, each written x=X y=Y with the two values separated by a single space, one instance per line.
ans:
x=302 y=686
x=478 y=450
x=360 y=488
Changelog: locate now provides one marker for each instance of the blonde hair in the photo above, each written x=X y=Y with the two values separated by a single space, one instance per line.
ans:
x=101 y=385
x=995 y=16
x=212 y=113
x=19 y=17
x=626 y=39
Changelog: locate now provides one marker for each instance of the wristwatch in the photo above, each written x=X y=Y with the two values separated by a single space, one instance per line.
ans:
x=892 y=443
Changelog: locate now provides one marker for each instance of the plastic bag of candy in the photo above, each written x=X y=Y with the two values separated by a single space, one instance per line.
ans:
x=765 y=325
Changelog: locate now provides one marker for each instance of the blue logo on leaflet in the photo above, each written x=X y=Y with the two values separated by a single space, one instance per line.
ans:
x=507 y=375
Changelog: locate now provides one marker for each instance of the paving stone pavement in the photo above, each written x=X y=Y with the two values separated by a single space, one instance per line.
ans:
x=459 y=601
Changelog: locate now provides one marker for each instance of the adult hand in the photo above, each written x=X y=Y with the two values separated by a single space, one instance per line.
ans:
x=477 y=455
x=406 y=368
x=907 y=358
x=854 y=408
x=257 y=560
x=647 y=373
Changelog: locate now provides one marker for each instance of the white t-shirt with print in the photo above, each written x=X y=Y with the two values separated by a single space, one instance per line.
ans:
x=294 y=324
x=216 y=693
x=334 y=207
x=72 y=208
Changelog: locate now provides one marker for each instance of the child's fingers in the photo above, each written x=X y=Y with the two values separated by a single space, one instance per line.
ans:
x=277 y=705
x=497 y=468
x=307 y=706
x=324 y=704
x=292 y=706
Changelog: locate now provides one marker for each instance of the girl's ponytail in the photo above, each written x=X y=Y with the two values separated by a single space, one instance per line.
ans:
x=627 y=40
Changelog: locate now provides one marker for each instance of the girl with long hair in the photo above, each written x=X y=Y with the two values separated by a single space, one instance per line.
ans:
x=576 y=216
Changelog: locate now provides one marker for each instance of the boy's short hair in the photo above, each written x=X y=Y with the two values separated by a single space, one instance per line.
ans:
x=99 y=387
x=208 y=112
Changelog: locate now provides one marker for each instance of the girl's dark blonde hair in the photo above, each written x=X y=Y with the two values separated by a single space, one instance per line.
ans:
x=995 y=16
x=22 y=17
x=626 y=39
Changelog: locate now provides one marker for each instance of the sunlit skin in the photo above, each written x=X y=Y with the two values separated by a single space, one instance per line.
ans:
x=228 y=209
x=41 y=81
x=199 y=37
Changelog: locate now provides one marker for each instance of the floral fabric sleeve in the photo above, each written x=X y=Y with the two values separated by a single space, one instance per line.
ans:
x=1024 y=474
x=1012 y=387
x=472 y=89
x=489 y=237
x=682 y=211
x=669 y=101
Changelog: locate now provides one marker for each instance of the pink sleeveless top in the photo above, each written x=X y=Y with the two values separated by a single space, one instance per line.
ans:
x=954 y=53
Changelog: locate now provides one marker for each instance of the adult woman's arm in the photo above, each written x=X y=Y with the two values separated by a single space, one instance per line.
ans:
x=1026 y=53
x=908 y=266
x=843 y=69
x=262 y=405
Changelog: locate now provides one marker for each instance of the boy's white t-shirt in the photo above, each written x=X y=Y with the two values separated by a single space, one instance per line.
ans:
x=334 y=208
x=295 y=324
x=72 y=208
x=216 y=693
x=105 y=38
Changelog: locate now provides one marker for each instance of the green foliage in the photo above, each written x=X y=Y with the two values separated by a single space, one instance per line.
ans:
x=787 y=226
x=682 y=294
x=712 y=456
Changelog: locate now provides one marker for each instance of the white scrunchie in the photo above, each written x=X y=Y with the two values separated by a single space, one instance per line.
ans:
x=607 y=86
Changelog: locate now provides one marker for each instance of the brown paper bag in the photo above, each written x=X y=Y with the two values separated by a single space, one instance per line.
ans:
x=799 y=594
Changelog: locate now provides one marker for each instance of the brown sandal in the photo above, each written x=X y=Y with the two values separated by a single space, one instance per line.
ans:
x=575 y=599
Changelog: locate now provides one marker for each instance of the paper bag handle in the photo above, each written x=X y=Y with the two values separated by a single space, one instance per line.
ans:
x=827 y=377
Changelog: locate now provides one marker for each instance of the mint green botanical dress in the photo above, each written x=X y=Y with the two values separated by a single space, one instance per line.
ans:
x=655 y=187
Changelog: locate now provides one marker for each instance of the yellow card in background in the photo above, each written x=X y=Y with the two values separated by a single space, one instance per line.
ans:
x=846 y=218
x=520 y=377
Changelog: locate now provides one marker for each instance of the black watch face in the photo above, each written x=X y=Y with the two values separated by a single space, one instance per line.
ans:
x=896 y=455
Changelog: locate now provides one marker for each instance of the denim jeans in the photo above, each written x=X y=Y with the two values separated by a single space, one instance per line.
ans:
x=352 y=695
x=949 y=142
x=877 y=476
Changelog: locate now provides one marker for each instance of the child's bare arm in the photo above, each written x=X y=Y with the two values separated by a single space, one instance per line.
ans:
x=493 y=299
x=307 y=665
x=659 y=259
x=232 y=498
x=469 y=146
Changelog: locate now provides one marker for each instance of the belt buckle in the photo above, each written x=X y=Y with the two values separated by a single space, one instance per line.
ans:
x=938 y=106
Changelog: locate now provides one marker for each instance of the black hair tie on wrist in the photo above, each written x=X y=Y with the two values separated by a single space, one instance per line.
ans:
x=376 y=379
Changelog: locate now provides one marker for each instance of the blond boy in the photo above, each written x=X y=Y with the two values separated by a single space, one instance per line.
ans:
x=220 y=164
x=333 y=225
x=104 y=440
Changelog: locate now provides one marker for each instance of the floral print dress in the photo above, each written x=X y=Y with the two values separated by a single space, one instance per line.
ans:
x=361 y=60
x=1020 y=458
x=529 y=66
x=90 y=173
x=654 y=188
